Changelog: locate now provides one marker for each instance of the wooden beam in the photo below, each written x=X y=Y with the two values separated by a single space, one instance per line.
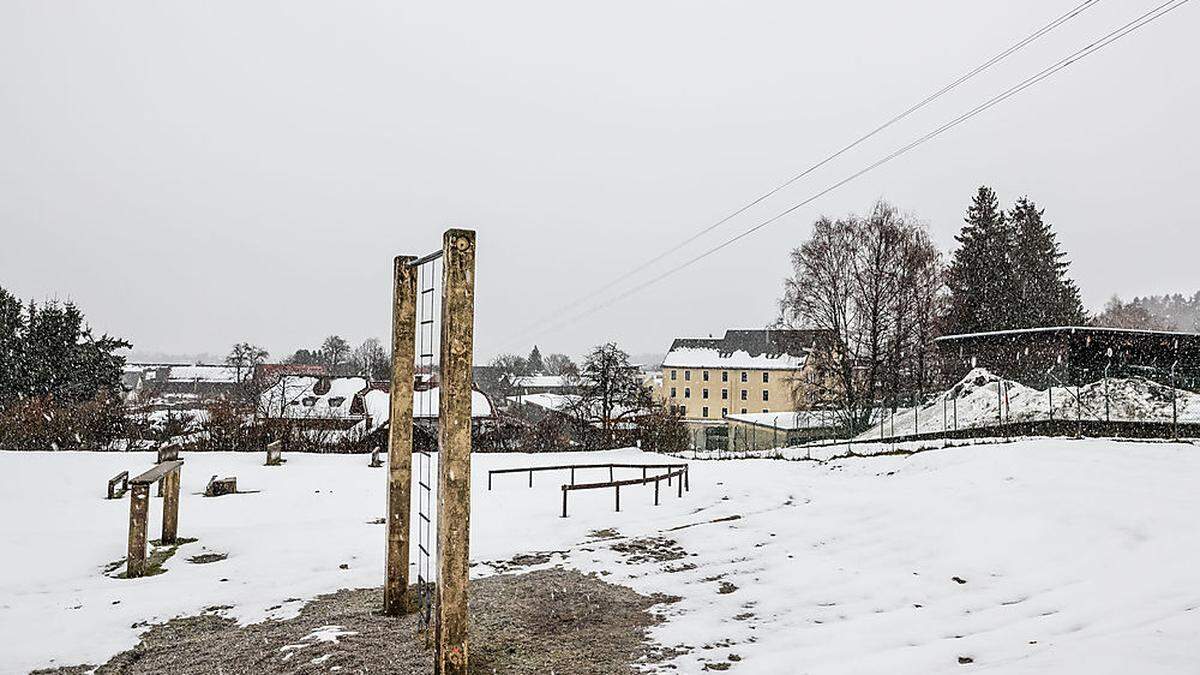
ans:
x=397 y=598
x=454 y=455
x=139 y=503
x=170 y=517
x=156 y=473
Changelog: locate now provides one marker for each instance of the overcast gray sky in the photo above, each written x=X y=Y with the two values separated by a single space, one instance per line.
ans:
x=199 y=173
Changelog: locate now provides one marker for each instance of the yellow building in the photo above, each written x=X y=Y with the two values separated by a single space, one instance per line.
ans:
x=746 y=371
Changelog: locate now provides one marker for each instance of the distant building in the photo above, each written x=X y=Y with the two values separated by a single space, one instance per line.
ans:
x=746 y=371
x=758 y=431
x=174 y=384
x=523 y=385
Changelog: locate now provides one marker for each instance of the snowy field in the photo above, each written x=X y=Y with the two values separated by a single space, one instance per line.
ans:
x=1039 y=556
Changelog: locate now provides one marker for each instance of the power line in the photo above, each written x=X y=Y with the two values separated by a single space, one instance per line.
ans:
x=1137 y=23
x=1076 y=11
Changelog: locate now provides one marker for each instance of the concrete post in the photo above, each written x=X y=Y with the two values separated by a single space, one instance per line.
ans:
x=397 y=599
x=454 y=470
x=170 y=518
x=139 y=503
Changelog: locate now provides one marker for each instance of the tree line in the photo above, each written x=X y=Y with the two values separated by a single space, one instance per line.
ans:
x=880 y=291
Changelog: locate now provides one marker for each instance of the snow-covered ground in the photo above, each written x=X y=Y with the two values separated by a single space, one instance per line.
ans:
x=1037 y=556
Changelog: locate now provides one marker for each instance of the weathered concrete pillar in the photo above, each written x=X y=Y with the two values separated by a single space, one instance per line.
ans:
x=170 y=519
x=454 y=460
x=139 y=503
x=396 y=596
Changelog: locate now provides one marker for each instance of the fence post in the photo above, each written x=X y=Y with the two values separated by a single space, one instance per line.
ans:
x=1174 y=401
x=618 y=492
x=1107 y=409
x=170 y=518
x=139 y=503
x=1078 y=412
x=396 y=596
x=531 y=478
x=680 y=486
x=656 y=492
x=564 y=491
x=454 y=463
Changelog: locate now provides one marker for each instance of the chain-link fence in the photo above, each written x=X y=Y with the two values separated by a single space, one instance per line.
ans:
x=1132 y=401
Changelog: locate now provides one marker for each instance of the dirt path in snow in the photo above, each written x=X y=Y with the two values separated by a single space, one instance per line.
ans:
x=545 y=621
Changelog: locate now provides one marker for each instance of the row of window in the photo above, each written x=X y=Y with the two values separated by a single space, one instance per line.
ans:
x=687 y=375
x=687 y=393
x=704 y=411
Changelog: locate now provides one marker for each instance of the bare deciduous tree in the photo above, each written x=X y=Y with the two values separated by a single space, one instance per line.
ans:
x=872 y=286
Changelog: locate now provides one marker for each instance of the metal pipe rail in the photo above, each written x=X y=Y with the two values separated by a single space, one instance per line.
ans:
x=680 y=473
x=562 y=467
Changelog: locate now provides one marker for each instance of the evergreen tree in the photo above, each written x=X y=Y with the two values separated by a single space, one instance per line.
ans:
x=12 y=328
x=980 y=277
x=1046 y=296
x=534 y=362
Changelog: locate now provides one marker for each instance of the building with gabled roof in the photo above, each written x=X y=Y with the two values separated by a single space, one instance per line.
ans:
x=742 y=372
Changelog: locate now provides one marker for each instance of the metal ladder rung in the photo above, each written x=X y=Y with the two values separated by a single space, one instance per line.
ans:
x=427 y=356
x=422 y=484
x=426 y=322
x=422 y=548
x=427 y=290
x=424 y=517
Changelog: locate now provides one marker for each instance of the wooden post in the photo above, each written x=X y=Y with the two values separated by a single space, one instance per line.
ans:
x=531 y=478
x=170 y=518
x=564 y=491
x=454 y=462
x=396 y=596
x=679 y=485
x=656 y=492
x=618 y=488
x=139 y=503
x=275 y=453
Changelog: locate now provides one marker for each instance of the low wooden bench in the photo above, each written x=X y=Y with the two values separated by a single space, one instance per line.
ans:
x=275 y=453
x=167 y=475
x=118 y=485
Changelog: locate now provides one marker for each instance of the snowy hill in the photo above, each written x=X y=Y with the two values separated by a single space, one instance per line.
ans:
x=1038 y=556
x=979 y=401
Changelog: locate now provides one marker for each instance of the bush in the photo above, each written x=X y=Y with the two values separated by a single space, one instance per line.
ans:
x=45 y=424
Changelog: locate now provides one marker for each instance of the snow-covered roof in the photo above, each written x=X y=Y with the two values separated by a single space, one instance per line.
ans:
x=744 y=349
x=542 y=381
x=298 y=397
x=555 y=402
x=1067 y=329
x=425 y=405
x=791 y=421
x=205 y=373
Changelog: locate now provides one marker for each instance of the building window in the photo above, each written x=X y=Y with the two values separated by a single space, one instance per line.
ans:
x=724 y=375
x=704 y=393
x=766 y=377
x=687 y=392
x=672 y=392
x=766 y=395
x=687 y=374
x=765 y=410
x=743 y=411
x=706 y=376
x=744 y=376
x=724 y=394
x=744 y=395
x=724 y=412
x=683 y=410
x=704 y=411
x=673 y=374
